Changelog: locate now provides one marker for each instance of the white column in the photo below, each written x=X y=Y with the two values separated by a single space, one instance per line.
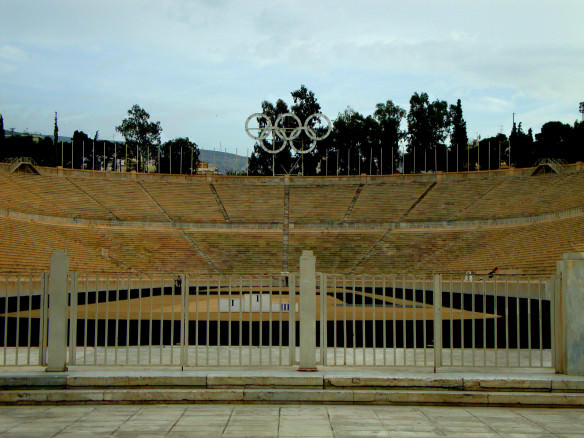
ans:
x=57 y=345
x=571 y=269
x=307 y=311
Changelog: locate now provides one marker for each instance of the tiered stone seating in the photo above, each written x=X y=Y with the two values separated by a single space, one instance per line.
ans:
x=238 y=225
x=336 y=252
x=518 y=249
x=386 y=201
x=242 y=251
x=252 y=201
x=320 y=203
x=186 y=202
x=152 y=250
x=68 y=196
x=449 y=200
x=28 y=246
x=123 y=198
x=16 y=195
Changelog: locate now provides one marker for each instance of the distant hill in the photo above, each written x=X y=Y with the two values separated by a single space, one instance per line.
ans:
x=224 y=161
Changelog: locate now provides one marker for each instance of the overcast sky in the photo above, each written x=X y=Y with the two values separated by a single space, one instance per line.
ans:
x=201 y=67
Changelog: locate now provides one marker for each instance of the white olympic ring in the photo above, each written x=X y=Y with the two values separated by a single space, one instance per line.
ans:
x=288 y=135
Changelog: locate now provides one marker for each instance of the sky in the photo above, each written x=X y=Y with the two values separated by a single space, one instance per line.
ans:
x=201 y=67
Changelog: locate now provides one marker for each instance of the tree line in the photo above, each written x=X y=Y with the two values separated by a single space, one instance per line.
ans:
x=431 y=136
x=140 y=151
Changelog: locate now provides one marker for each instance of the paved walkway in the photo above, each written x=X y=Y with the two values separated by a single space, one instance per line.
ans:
x=149 y=421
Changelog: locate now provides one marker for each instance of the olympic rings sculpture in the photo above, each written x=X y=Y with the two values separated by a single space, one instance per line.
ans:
x=286 y=134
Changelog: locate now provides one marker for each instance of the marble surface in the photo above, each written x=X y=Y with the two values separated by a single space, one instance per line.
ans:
x=316 y=420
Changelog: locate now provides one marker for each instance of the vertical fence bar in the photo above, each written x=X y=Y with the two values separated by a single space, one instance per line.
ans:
x=73 y=320
x=43 y=320
x=86 y=318
x=96 y=319
x=384 y=285
x=363 y=320
x=229 y=327
x=507 y=322
x=484 y=283
x=30 y=293
x=540 y=323
x=250 y=316
x=185 y=317
x=128 y=305
x=280 y=301
x=437 y=299
x=107 y=305
x=323 y=320
x=424 y=319
x=218 y=347
x=394 y=334
x=450 y=284
x=17 y=340
x=161 y=340
x=517 y=305
x=495 y=321
x=473 y=321
x=353 y=334
x=529 y=340
x=292 y=320
x=345 y=344
x=150 y=318
x=208 y=354
x=5 y=344
x=117 y=322
x=404 y=325
x=240 y=332
x=197 y=320
x=415 y=318
x=462 y=324
x=374 y=321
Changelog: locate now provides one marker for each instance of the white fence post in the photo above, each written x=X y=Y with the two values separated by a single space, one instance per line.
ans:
x=57 y=345
x=571 y=336
x=307 y=311
x=437 y=321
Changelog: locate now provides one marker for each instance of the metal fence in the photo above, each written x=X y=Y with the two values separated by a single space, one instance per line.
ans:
x=254 y=320
x=435 y=322
x=23 y=319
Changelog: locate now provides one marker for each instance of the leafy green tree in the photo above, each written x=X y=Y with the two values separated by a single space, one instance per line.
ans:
x=179 y=155
x=141 y=135
x=306 y=104
x=55 y=132
x=1 y=129
x=389 y=117
x=556 y=140
x=521 y=149
x=428 y=124
x=82 y=150
x=262 y=162
x=458 y=139
x=490 y=153
x=352 y=135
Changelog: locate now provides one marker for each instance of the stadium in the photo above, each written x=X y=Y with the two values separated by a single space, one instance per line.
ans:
x=205 y=270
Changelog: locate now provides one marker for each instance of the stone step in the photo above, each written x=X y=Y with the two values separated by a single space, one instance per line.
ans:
x=288 y=385
x=288 y=395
